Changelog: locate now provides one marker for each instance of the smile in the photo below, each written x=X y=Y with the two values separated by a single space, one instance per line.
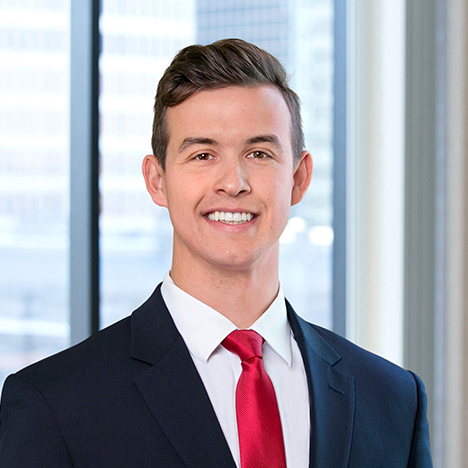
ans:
x=230 y=218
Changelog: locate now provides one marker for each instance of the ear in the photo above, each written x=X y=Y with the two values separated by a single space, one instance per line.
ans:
x=301 y=177
x=154 y=179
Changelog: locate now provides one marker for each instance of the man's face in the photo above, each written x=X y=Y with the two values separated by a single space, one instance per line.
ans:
x=229 y=179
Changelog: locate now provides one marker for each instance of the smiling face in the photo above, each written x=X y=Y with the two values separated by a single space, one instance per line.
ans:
x=229 y=180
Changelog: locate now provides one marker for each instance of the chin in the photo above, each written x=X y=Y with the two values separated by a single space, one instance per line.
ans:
x=241 y=261
x=234 y=263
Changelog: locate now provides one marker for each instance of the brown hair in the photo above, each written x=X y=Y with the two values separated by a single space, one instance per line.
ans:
x=228 y=62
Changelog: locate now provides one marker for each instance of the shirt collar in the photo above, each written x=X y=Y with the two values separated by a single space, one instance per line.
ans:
x=203 y=328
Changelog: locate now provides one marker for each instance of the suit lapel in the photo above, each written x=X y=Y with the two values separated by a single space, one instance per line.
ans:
x=173 y=390
x=331 y=395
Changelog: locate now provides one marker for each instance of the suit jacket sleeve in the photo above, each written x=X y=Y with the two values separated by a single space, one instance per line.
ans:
x=420 y=450
x=29 y=434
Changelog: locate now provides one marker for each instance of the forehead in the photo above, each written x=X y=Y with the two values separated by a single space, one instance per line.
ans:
x=230 y=114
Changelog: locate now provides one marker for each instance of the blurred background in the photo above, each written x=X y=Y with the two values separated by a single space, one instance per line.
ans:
x=377 y=249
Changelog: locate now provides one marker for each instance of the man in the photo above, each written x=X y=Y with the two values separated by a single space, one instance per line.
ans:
x=216 y=369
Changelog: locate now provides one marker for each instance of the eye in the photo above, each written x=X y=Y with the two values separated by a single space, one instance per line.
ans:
x=203 y=156
x=257 y=155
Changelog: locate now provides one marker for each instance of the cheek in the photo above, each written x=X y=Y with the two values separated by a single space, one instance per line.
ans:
x=183 y=198
x=279 y=207
x=179 y=189
x=283 y=207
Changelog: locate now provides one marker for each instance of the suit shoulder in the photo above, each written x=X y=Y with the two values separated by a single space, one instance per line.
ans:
x=104 y=350
x=366 y=365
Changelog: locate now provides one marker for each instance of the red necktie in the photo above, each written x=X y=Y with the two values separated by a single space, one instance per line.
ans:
x=258 y=420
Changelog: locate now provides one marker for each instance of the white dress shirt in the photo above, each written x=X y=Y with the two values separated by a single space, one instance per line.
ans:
x=203 y=329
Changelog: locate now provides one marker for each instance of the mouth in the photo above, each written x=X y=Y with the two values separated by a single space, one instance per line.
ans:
x=227 y=217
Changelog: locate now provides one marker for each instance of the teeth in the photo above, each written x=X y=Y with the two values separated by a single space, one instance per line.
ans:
x=229 y=217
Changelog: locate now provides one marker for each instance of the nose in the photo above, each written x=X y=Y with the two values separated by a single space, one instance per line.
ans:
x=233 y=178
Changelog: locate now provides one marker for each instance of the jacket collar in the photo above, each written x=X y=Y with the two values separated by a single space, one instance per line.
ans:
x=173 y=389
x=331 y=396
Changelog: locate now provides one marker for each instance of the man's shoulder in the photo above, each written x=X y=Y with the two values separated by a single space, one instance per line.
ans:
x=107 y=353
x=100 y=354
x=363 y=365
x=346 y=348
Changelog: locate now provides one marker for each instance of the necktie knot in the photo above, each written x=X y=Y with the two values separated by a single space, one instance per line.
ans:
x=245 y=343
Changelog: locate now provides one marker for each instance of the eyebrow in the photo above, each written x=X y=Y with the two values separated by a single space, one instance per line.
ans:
x=191 y=141
x=273 y=139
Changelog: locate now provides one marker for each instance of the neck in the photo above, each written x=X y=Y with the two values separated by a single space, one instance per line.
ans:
x=240 y=294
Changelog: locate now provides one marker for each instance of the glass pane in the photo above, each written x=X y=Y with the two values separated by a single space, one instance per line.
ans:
x=34 y=140
x=139 y=40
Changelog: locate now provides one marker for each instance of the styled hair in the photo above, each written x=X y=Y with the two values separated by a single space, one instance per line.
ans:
x=228 y=62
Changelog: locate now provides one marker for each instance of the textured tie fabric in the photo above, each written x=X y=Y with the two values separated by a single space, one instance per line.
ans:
x=258 y=420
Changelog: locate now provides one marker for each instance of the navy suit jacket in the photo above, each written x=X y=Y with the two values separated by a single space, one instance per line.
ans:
x=130 y=397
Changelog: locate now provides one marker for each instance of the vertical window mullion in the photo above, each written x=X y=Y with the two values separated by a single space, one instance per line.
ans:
x=339 y=169
x=84 y=168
